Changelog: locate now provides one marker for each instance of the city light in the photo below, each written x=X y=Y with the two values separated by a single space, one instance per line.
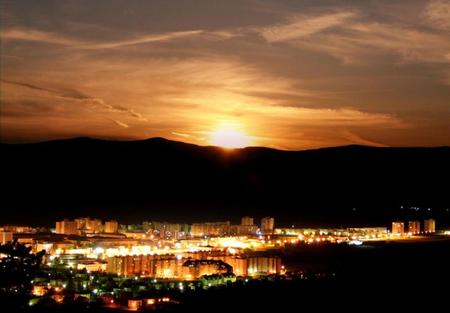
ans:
x=189 y=259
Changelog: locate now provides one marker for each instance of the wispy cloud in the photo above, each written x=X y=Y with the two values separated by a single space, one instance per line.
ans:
x=119 y=123
x=38 y=36
x=352 y=38
x=437 y=14
x=59 y=39
x=188 y=136
x=75 y=95
x=61 y=93
x=298 y=26
x=357 y=139
x=181 y=135
x=144 y=39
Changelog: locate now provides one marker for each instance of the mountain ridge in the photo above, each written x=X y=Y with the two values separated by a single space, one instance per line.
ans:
x=162 y=179
x=163 y=139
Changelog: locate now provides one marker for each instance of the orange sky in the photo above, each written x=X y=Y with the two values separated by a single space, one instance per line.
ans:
x=288 y=74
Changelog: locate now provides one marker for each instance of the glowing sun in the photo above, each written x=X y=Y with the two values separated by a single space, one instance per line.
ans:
x=229 y=137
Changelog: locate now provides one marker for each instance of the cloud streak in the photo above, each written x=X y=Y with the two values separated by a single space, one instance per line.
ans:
x=119 y=123
x=76 y=95
x=144 y=39
x=437 y=14
x=349 y=37
x=299 y=26
x=59 y=39
x=38 y=36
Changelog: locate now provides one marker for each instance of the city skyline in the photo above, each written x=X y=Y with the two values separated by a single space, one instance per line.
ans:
x=282 y=74
x=100 y=260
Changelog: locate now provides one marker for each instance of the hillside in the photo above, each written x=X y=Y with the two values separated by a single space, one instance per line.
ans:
x=161 y=179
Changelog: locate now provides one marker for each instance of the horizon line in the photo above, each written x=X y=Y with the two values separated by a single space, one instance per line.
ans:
x=211 y=146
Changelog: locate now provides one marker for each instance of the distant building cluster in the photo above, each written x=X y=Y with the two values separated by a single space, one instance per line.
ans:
x=246 y=228
x=89 y=226
x=429 y=227
x=7 y=232
x=85 y=226
x=215 y=252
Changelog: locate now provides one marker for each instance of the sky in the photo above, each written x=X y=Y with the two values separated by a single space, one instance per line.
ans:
x=288 y=74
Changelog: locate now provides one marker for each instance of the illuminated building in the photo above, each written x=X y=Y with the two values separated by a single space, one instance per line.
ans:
x=197 y=265
x=94 y=226
x=134 y=305
x=39 y=290
x=398 y=228
x=16 y=229
x=247 y=221
x=267 y=224
x=89 y=226
x=134 y=234
x=315 y=231
x=111 y=227
x=414 y=227
x=66 y=227
x=166 y=231
x=91 y=266
x=239 y=265
x=261 y=265
x=251 y=265
x=161 y=266
x=168 y=267
x=429 y=226
x=242 y=230
x=5 y=236
x=367 y=232
x=171 y=231
x=197 y=268
x=81 y=222
x=210 y=229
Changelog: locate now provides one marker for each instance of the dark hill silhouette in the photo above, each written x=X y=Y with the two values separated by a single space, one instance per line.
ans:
x=168 y=180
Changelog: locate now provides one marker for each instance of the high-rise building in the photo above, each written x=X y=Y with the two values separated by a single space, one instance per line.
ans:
x=5 y=236
x=89 y=226
x=243 y=230
x=210 y=229
x=267 y=225
x=17 y=229
x=66 y=227
x=81 y=223
x=170 y=266
x=111 y=226
x=429 y=226
x=93 y=226
x=247 y=221
x=398 y=228
x=414 y=227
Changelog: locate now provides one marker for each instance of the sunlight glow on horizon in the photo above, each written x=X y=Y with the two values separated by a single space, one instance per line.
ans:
x=229 y=135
